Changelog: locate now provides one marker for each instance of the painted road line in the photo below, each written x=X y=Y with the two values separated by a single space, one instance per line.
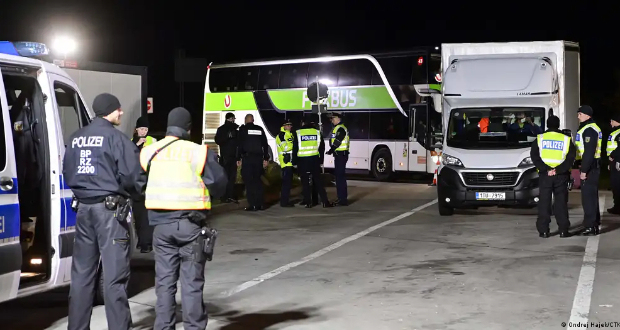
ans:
x=583 y=295
x=320 y=252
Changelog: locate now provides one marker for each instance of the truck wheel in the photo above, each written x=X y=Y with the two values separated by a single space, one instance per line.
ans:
x=99 y=286
x=382 y=164
x=445 y=209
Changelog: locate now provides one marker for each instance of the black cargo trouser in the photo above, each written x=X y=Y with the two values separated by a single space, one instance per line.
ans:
x=557 y=186
x=230 y=167
x=287 y=184
x=614 y=176
x=589 y=198
x=340 y=172
x=97 y=234
x=251 y=172
x=179 y=254
x=144 y=230
x=310 y=167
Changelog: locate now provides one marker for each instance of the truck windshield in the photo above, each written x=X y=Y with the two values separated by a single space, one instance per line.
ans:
x=494 y=128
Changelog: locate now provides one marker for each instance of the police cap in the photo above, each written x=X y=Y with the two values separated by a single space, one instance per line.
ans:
x=586 y=110
x=287 y=122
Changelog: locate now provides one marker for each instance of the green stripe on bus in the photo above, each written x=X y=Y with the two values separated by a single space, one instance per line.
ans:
x=230 y=101
x=340 y=98
x=435 y=86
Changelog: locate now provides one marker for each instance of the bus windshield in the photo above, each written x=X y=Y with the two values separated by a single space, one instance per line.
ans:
x=494 y=128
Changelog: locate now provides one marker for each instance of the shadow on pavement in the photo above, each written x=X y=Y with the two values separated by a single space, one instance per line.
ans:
x=237 y=320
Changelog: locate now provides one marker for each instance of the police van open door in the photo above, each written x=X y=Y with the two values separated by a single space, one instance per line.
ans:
x=10 y=249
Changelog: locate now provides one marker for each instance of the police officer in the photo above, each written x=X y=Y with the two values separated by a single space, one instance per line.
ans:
x=101 y=168
x=253 y=152
x=284 y=143
x=226 y=139
x=178 y=202
x=588 y=141
x=314 y=194
x=308 y=148
x=339 y=146
x=553 y=154
x=614 y=162
x=145 y=232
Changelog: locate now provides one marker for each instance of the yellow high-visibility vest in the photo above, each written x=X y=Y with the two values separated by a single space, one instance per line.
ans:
x=579 y=141
x=149 y=140
x=309 y=140
x=175 y=176
x=611 y=142
x=553 y=148
x=285 y=147
x=344 y=145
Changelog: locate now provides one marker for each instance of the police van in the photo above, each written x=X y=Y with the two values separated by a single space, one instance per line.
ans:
x=41 y=107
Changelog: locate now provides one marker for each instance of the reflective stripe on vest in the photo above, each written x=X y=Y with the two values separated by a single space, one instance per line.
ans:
x=344 y=145
x=579 y=142
x=285 y=147
x=611 y=142
x=309 y=140
x=175 y=177
x=553 y=148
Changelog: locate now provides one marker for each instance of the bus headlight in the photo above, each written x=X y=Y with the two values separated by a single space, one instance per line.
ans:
x=450 y=160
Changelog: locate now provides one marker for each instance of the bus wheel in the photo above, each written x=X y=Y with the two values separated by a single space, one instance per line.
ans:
x=382 y=164
x=99 y=286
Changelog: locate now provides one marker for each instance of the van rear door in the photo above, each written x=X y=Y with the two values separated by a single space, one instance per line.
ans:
x=10 y=226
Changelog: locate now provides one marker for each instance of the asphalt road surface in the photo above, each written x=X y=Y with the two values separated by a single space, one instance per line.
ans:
x=388 y=261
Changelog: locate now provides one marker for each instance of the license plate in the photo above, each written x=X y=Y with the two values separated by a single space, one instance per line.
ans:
x=490 y=196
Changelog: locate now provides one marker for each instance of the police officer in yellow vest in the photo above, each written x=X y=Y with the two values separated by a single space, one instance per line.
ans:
x=284 y=143
x=144 y=231
x=183 y=177
x=553 y=154
x=339 y=147
x=588 y=141
x=308 y=148
x=614 y=162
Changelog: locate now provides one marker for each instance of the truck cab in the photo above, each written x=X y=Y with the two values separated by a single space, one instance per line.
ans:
x=496 y=98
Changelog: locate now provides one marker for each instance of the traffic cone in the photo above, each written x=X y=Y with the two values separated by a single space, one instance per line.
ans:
x=434 y=179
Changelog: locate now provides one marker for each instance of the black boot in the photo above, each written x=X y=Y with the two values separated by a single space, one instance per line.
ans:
x=614 y=210
x=590 y=231
x=544 y=235
x=251 y=208
x=564 y=234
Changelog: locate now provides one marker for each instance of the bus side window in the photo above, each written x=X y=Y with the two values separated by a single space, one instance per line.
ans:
x=223 y=80
x=268 y=77
x=355 y=73
x=420 y=73
x=68 y=109
x=397 y=70
x=327 y=73
x=294 y=76
x=247 y=79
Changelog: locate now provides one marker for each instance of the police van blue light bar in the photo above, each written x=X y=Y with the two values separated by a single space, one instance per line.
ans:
x=23 y=48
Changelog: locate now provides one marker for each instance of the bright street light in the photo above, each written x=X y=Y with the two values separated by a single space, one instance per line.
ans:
x=64 y=45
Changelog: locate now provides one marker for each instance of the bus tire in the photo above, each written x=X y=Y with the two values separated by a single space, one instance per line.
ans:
x=382 y=164
x=100 y=286
x=445 y=209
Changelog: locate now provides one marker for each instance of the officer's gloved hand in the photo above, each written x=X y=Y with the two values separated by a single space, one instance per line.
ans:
x=329 y=152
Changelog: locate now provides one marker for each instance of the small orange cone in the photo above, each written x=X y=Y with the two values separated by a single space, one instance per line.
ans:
x=434 y=179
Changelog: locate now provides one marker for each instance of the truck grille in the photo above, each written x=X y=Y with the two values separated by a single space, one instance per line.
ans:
x=497 y=178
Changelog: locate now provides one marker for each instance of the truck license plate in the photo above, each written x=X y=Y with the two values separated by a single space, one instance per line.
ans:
x=490 y=196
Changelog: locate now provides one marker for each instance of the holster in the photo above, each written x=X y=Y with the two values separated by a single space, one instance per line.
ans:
x=210 y=235
x=120 y=205
x=74 y=204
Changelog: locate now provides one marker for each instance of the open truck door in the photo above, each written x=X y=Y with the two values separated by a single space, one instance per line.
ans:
x=10 y=247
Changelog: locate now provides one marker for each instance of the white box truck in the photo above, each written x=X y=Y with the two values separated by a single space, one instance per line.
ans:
x=128 y=83
x=496 y=98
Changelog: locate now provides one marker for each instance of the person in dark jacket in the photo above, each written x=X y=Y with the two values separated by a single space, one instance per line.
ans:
x=553 y=154
x=588 y=141
x=253 y=152
x=141 y=219
x=613 y=152
x=226 y=139
x=101 y=167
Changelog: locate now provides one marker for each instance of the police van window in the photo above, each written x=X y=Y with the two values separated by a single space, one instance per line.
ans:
x=247 y=79
x=268 y=77
x=294 y=76
x=355 y=73
x=68 y=109
x=2 y=140
x=326 y=71
x=223 y=80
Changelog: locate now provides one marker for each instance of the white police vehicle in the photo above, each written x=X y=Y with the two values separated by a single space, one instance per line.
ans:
x=41 y=107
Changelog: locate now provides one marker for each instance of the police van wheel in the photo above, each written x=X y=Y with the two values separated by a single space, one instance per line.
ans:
x=382 y=164
x=445 y=209
x=99 y=286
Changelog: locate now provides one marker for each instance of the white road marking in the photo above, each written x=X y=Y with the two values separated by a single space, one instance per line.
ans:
x=583 y=295
x=320 y=252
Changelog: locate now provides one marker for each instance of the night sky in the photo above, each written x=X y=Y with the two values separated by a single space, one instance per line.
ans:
x=149 y=33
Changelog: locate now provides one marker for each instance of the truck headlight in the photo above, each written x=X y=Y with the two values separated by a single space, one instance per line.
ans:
x=450 y=160
x=526 y=162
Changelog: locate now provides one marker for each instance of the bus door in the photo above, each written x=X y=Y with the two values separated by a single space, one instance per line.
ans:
x=10 y=226
x=417 y=130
